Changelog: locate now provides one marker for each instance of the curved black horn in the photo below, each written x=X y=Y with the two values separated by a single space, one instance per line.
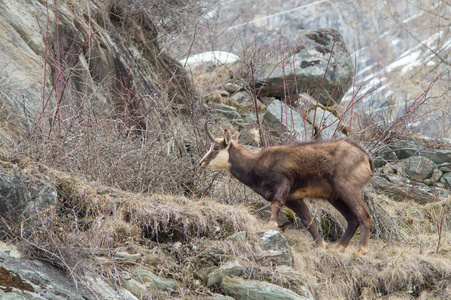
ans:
x=208 y=131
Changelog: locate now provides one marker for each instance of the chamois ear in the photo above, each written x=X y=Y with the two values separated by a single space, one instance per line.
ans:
x=235 y=136
x=227 y=136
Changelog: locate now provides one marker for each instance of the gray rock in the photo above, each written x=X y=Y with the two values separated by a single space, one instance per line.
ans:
x=36 y=280
x=88 y=60
x=278 y=114
x=10 y=250
x=22 y=50
x=308 y=66
x=21 y=198
x=230 y=268
x=447 y=179
x=401 y=189
x=439 y=156
x=417 y=167
x=134 y=286
x=232 y=87
x=153 y=281
x=240 y=288
x=242 y=97
x=276 y=247
x=203 y=273
x=125 y=256
x=227 y=111
x=221 y=297
x=327 y=124
x=384 y=155
x=445 y=167
x=238 y=236
x=297 y=281
x=223 y=93
x=406 y=149
x=436 y=175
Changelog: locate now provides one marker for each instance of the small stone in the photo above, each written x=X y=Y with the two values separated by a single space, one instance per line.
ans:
x=227 y=111
x=436 y=175
x=242 y=97
x=447 y=179
x=276 y=247
x=446 y=167
x=134 y=287
x=153 y=281
x=230 y=268
x=238 y=236
x=223 y=93
x=127 y=256
x=232 y=87
x=203 y=273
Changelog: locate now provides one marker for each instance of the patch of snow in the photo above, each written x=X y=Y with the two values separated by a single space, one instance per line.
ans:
x=408 y=58
x=395 y=42
x=216 y=57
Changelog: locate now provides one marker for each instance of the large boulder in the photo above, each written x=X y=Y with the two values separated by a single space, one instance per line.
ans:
x=22 y=197
x=399 y=188
x=280 y=116
x=417 y=167
x=33 y=279
x=240 y=288
x=406 y=149
x=318 y=64
x=327 y=123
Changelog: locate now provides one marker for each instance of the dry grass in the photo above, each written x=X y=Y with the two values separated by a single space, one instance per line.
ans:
x=177 y=236
x=116 y=198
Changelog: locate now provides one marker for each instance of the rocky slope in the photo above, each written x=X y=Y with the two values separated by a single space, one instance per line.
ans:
x=101 y=196
x=56 y=56
x=98 y=242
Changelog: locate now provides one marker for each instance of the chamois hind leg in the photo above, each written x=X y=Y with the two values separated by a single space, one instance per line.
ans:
x=301 y=209
x=351 y=219
x=352 y=197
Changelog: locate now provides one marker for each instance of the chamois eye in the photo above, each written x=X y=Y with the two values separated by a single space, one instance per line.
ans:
x=216 y=148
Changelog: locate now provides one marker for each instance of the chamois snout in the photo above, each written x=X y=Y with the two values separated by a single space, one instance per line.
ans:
x=217 y=158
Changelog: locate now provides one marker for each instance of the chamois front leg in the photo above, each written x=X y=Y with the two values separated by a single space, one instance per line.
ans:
x=277 y=203
x=276 y=206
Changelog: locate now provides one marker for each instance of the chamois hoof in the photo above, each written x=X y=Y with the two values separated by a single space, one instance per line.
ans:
x=361 y=251
x=322 y=245
x=340 y=248
x=273 y=225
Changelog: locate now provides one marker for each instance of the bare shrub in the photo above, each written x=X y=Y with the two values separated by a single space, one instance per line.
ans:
x=114 y=131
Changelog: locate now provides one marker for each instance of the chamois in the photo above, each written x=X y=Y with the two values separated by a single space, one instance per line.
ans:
x=336 y=171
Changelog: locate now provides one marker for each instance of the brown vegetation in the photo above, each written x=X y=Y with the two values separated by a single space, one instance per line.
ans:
x=129 y=181
x=177 y=237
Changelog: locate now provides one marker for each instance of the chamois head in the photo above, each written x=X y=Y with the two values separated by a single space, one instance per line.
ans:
x=218 y=156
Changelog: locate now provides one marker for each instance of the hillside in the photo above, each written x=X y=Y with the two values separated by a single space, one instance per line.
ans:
x=102 y=130
x=105 y=237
